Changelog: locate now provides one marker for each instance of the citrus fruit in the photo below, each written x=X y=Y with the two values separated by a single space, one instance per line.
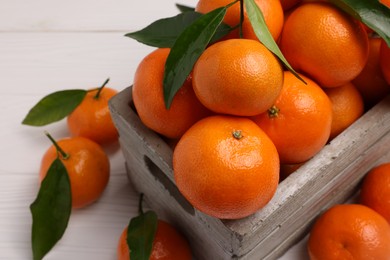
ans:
x=385 y=60
x=168 y=244
x=350 y=231
x=87 y=165
x=237 y=77
x=92 y=118
x=375 y=190
x=149 y=103
x=347 y=107
x=299 y=122
x=271 y=10
x=371 y=82
x=325 y=43
x=226 y=166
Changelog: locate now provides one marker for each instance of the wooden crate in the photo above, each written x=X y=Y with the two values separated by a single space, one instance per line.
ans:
x=331 y=177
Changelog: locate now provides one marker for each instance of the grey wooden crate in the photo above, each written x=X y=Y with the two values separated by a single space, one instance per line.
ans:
x=331 y=177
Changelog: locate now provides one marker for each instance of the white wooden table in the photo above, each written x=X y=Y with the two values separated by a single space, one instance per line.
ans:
x=51 y=45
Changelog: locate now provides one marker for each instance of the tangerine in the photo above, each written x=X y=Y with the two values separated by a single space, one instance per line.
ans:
x=371 y=82
x=349 y=231
x=237 y=77
x=375 y=190
x=299 y=122
x=347 y=107
x=87 y=165
x=271 y=10
x=337 y=49
x=386 y=3
x=92 y=118
x=168 y=244
x=226 y=166
x=149 y=102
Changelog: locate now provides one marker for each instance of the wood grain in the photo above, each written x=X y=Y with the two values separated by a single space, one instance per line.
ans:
x=83 y=16
x=33 y=63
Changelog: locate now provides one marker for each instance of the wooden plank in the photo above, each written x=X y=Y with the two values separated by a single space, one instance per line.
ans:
x=32 y=63
x=81 y=16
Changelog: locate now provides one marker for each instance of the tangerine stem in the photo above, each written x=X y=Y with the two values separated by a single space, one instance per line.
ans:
x=64 y=155
x=273 y=111
x=237 y=134
x=101 y=88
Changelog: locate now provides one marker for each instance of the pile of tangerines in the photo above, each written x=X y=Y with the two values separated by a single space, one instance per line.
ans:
x=241 y=122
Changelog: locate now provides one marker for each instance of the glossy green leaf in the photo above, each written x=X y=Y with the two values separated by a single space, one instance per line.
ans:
x=140 y=235
x=188 y=47
x=222 y=30
x=163 y=33
x=51 y=210
x=260 y=28
x=372 y=13
x=184 y=8
x=54 y=107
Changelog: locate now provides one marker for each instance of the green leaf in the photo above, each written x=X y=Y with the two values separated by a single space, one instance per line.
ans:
x=372 y=13
x=140 y=235
x=222 y=30
x=54 y=107
x=260 y=28
x=51 y=210
x=163 y=33
x=188 y=47
x=184 y=8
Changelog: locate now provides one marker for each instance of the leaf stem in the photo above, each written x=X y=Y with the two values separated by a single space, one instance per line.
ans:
x=101 y=88
x=64 y=155
x=241 y=18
